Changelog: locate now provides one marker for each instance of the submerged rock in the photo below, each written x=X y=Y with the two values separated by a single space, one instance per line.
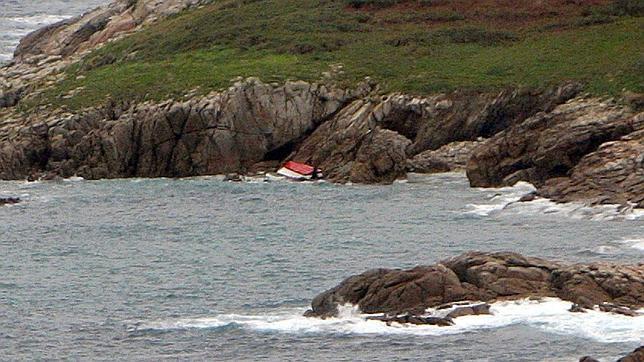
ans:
x=9 y=200
x=485 y=277
x=416 y=320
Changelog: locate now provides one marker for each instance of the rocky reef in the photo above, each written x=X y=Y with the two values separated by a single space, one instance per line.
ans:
x=484 y=277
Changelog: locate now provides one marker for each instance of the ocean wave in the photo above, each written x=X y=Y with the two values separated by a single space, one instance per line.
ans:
x=550 y=315
x=35 y=20
x=507 y=199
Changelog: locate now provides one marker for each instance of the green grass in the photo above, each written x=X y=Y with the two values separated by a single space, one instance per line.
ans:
x=277 y=40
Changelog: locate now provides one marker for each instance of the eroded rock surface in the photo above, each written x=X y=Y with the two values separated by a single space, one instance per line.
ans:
x=220 y=133
x=372 y=139
x=484 y=277
x=587 y=149
x=43 y=54
x=451 y=157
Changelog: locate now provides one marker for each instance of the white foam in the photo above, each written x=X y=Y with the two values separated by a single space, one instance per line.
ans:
x=36 y=20
x=501 y=198
x=550 y=315
x=74 y=179
x=506 y=199
x=635 y=243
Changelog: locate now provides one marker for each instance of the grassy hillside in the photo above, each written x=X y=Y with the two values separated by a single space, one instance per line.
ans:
x=416 y=46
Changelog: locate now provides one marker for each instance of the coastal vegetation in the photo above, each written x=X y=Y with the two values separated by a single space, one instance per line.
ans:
x=415 y=47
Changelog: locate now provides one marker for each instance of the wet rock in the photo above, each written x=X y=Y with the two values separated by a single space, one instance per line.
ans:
x=587 y=149
x=9 y=200
x=528 y=197
x=415 y=320
x=587 y=359
x=636 y=356
x=576 y=308
x=477 y=309
x=485 y=277
x=612 y=308
x=233 y=177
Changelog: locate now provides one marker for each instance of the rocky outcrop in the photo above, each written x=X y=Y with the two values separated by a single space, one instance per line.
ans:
x=97 y=26
x=451 y=157
x=9 y=200
x=587 y=149
x=220 y=133
x=613 y=174
x=636 y=356
x=43 y=54
x=484 y=277
x=353 y=147
x=372 y=139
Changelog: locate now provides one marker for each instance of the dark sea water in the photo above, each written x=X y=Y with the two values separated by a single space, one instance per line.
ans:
x=20 y=17
x=200 y=269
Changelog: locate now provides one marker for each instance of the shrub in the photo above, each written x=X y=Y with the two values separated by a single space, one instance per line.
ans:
x=628 y=7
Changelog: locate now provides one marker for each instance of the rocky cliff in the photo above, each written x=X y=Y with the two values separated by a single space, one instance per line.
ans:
x=223 y=132
x=586 y=149
x=353 y=135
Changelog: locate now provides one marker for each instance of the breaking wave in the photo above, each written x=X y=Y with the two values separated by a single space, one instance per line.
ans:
x=507 y=199
x=549 y=315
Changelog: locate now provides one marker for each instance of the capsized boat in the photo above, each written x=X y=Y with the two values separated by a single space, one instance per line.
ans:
x=299 y=171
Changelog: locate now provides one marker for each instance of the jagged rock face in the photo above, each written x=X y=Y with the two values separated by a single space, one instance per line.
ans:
x=372 y=139
x=485 y=277
x=466 y=117
x=42 y=55
x=562 y=143
x=451 y=157
x=613 y=174
x=220 y=133
x=97 y=26
x=353 y=147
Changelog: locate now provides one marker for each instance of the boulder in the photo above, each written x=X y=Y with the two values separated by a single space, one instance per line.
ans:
x=485 y=277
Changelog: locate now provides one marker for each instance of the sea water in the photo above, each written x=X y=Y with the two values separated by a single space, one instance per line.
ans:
x=199 y=268
x=20 y=17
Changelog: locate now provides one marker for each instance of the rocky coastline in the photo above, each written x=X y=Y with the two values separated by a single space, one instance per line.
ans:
x=571 y=146
x=485 y=277
x=468 y=284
